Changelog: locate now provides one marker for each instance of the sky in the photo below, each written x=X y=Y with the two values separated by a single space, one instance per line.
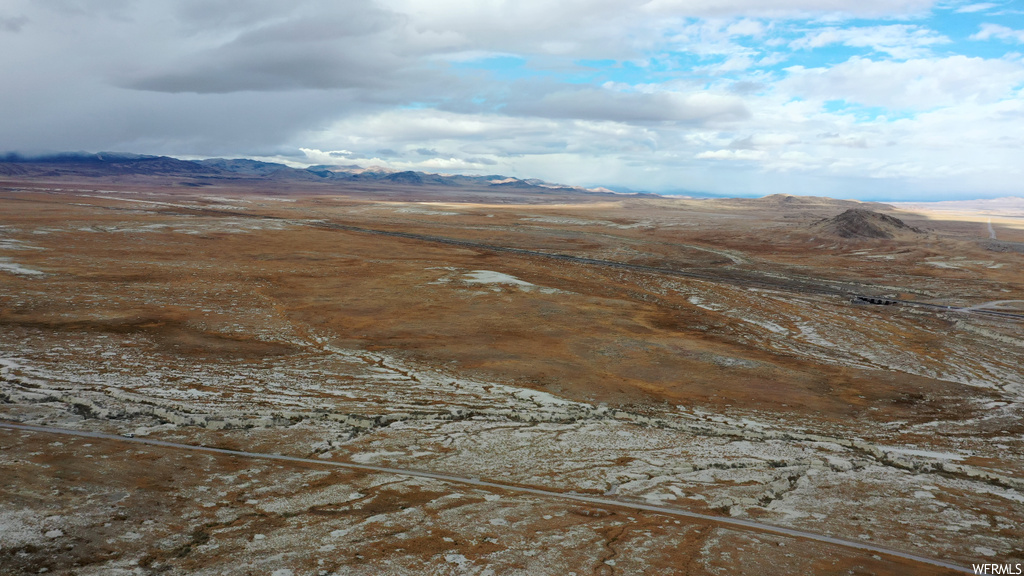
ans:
x=869 y=99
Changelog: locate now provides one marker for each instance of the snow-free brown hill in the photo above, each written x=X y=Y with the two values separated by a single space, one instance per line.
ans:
x=857 y=223
x=806 y=208
x=786 y=202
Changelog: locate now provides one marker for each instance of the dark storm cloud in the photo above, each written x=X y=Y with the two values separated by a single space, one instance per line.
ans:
x=115 y=9
x=351 y=47
x=12 y=24
x=159 y=123
x=199 y=77
x=265 y=70
x=200 y=15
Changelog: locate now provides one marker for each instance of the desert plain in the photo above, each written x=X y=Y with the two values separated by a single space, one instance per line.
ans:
x=412 y=379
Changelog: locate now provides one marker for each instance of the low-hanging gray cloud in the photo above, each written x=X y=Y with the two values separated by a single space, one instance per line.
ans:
x=351 y=46
x=600 y=104
x=12 y=23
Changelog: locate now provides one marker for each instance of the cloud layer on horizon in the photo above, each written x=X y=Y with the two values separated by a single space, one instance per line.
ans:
x=865 y=98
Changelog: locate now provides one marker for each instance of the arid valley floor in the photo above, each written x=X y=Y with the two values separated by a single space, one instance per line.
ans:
x=704 y=356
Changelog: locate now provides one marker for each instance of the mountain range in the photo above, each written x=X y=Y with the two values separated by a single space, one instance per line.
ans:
x=214 y=170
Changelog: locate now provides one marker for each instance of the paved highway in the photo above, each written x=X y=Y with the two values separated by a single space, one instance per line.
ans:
x=603 y=501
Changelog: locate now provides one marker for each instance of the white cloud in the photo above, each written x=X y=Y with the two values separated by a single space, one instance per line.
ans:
x=920 y=84
x=328 y=157
x=734 y=63
x=434 y=164
x=783 y=8
x=998 y=31
x=616 y=29
x=731 y=155
x=898 y=40
x=746 y=27
x=979 y=7
x=784 y=146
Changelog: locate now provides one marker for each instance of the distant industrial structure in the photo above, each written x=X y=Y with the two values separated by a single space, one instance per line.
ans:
x=874 y=300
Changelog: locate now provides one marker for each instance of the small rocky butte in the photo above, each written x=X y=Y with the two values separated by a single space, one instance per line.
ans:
x=857 y=223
